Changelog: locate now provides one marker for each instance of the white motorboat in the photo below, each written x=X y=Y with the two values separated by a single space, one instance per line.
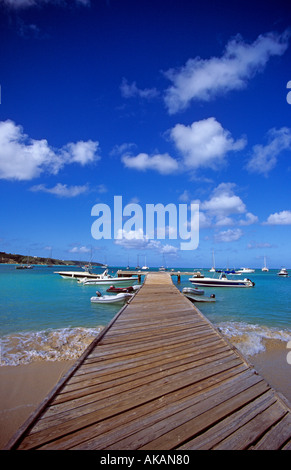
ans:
x=222 y=281
x=87 y=272
x=109 y=280
x=111 y=299
x=193 y=290
x=245 y=271
x=283 y=272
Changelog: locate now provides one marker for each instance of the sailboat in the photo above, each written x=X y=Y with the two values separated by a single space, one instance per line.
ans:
x=212 y=270
x=138 y=266
x=145 y=265
x=265 y=269
x=25 y=266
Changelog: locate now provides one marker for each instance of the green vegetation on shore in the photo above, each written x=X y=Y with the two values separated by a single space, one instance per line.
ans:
x=9 y=258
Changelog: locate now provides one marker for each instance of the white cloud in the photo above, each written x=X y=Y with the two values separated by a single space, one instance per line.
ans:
x=204 y=79
x=80 y=249
x=279 y=218
x=223 y=208
x=162 y=163
x=224 y=202
x=204 y=144
x=132 y=91
x=24 y=158
x=135 y=239
x=61 y=190
x=204 y=220
x=264 y=158
x=82 y=152
x=229 y=235
x=249 y=220
x=254 y=245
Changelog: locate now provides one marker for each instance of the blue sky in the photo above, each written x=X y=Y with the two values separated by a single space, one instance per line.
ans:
x=158 y=102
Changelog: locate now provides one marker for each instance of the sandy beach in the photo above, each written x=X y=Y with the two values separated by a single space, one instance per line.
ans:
x=23 y=387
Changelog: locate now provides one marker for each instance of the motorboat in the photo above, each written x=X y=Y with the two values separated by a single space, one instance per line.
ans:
x=198 y=274
x=24 y=266
x=222 y=281
x=244 y=271
x=86 y=273
x=109 y=280
x=122 y=297
x=129 y=289
x=193 y=291
x=283 y=272
x=198 y=298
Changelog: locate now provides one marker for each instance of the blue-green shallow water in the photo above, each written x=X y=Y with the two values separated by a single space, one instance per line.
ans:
x=46 y=317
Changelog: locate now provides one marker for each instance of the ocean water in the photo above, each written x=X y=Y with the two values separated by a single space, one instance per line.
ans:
x=45 y=317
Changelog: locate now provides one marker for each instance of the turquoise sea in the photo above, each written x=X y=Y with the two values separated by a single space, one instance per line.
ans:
x=45 y=317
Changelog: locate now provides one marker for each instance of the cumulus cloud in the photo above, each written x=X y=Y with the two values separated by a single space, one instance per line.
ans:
x=224 y=208
x=264 y=158
x=132 y=91
x=136 y=239
x=24 y=158
x=204 y=143
x=204 y=79
x=82 y=152
x=162 y=163
x=279 y=218
x=229 y=235
x=80 y=249
x=249 y=220
x=223 y=202
x=61 y=190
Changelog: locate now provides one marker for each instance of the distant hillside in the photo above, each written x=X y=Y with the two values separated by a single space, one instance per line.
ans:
x=22 y=259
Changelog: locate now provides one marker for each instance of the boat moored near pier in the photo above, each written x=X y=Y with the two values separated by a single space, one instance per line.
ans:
x=222 y=281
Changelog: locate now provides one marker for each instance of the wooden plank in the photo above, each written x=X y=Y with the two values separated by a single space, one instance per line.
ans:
x=160 y=376
x=103 y=433
x=277 y=436
x=227 y=426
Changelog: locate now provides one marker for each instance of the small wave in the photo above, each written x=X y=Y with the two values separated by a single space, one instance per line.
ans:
x=249 y=339
x=47 y=345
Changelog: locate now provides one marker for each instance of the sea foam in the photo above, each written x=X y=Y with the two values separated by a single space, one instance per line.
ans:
x=46 y=345
x=250 y=339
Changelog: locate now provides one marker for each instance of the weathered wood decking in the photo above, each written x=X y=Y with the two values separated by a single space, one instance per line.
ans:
x=160 y=376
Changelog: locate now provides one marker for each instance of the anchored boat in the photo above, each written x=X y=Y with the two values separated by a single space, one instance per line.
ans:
x=222 y=281
x=108 y=280
x=193 y=291
x=111 y=299
x=283 y=272
x=86 y=273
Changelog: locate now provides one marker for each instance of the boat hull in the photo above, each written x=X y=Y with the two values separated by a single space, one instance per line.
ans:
x=197 y=298
x=119 y=281
x=209 y=282
x=111 y=299
x=76 y=275
x=193 y=291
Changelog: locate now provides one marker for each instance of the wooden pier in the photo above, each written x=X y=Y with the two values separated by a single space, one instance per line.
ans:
x=139 y=274
x=159 y=377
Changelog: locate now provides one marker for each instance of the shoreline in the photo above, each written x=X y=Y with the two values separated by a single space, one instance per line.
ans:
x=24 y=387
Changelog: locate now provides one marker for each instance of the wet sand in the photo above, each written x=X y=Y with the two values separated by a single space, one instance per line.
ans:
x=23 y=387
